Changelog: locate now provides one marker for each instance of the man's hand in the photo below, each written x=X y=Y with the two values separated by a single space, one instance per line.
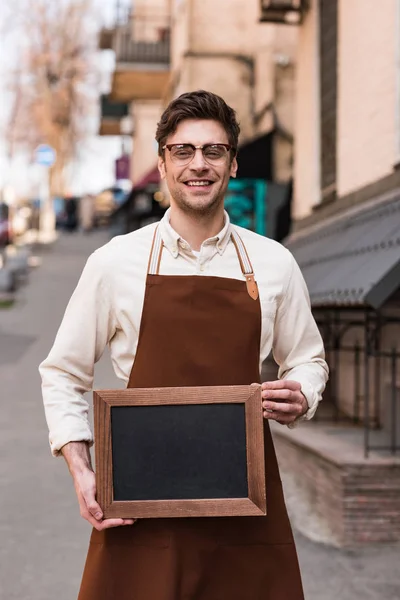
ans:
x=77 y=456
x=283 y=401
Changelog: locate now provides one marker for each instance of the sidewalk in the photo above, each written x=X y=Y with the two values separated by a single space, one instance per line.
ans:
x=44 y=540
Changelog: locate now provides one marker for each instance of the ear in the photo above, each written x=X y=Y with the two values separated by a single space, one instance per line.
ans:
x=161 y=167
x=234 y=168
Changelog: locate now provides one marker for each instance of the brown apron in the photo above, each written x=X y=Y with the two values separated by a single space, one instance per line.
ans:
x=198 y=330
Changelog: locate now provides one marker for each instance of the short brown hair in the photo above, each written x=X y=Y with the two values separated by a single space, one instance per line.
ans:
x=197 y=105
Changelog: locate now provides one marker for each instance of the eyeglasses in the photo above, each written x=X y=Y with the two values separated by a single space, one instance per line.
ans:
x=214 y=154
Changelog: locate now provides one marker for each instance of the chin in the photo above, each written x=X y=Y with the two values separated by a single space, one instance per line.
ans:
x=200 y=205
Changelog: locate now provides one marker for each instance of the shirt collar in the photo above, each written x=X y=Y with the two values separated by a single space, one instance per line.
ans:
x=172 y=239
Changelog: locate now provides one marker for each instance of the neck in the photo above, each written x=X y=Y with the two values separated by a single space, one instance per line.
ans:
x=195 y=229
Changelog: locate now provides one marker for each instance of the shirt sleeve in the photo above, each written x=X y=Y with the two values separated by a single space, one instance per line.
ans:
x=298 y=348
x=67 y=372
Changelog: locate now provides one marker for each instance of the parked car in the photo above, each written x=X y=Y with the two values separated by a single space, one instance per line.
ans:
x=5 y=226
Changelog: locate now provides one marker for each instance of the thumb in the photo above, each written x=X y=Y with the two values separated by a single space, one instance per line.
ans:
x=89 y=496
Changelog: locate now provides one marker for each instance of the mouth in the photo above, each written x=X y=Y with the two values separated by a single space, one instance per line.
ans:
x=199 y=184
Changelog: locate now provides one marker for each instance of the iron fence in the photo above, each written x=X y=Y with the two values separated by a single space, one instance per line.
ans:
x=130 y=51
x=141 y=36
x=375 y=402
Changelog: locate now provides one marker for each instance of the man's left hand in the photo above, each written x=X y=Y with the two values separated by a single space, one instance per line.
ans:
x=283 y=401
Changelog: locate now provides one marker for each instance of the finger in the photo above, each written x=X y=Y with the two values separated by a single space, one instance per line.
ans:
x=88 y=494
x=92 y=506
x=294 y=409
x=109 y=523
x=88 y=504
x=278 y=407
x=284 y=394
x=282 y=419
x=281 y=384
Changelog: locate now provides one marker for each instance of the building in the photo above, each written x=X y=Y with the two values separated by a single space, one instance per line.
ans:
x=166 y=48
x=140 y=39
x=346 y=238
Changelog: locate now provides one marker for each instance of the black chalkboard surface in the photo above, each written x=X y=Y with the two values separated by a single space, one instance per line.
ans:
x=181 y=452
x=171 y=452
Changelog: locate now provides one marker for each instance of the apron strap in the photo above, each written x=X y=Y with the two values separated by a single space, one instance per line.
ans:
x=155 y=253
x=245 y=265
x=244 y=260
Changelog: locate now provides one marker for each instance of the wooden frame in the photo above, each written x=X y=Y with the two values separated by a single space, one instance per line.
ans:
x=249 y=395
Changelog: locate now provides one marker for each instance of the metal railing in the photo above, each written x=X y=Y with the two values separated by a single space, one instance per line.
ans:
x=375 y=404
x=141 y=36
x=128 y=50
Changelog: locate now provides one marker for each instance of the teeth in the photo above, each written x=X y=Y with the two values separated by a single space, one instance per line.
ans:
x=199 y=182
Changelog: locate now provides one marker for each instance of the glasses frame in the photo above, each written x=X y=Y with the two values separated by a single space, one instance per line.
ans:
x=228 y=148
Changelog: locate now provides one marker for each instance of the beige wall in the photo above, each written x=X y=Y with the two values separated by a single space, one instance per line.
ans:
x=275 y=53
x=229 y=52
x=224 y=26
x=224 y=76
x=150 y=18
x=368 y=109
x=180 y=29
x=307 y=145
x=146 y=115
x=213 y=49
x=368 y=75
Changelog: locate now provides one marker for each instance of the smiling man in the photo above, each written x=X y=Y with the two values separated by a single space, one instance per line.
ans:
x=190 y=301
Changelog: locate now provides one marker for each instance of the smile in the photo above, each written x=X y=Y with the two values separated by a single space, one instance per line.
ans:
x=199 y=183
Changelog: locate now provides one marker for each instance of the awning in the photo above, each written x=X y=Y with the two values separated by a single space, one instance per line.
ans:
x=354 y=259
x=151 y=177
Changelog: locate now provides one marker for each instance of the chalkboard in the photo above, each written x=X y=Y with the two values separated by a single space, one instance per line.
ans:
x=170 y=452
x=181 y=452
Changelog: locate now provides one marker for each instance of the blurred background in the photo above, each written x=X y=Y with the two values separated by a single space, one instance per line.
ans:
x=316 y=87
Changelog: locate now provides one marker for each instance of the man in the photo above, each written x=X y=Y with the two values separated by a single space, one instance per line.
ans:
x=189 y=301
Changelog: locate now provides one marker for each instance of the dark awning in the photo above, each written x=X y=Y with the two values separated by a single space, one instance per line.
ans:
x=151 y=177
x=353 y=259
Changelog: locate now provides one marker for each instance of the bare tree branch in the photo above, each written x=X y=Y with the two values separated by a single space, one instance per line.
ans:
x=55 y=87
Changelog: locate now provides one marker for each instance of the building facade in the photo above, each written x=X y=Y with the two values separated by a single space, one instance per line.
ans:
x=346 y=238
x=140 y=39
x=165 y=48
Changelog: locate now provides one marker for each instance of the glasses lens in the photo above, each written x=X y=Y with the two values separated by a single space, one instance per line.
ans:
x=215 y=154
x=182 y=153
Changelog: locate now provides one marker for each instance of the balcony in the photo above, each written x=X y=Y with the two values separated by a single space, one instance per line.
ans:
x=142 y=55
x=289 y=12
x=141 y=52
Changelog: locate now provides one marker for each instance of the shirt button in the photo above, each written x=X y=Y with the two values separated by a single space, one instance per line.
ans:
x=201 y=267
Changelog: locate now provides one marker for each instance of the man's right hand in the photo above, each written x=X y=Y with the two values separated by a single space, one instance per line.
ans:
x=77 y=456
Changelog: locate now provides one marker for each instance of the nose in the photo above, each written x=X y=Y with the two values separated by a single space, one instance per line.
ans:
x=198 y=162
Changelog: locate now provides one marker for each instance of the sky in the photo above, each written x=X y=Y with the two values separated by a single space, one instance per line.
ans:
x=94 y=169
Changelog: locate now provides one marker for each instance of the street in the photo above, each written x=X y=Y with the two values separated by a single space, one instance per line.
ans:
x=44 y=540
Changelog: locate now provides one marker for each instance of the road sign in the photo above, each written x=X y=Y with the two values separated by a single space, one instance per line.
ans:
x=45 y=155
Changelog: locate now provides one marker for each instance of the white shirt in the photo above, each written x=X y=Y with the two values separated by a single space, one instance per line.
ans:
x=106 y=308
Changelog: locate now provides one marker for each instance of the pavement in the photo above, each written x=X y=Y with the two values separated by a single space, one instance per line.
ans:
x=43 y=538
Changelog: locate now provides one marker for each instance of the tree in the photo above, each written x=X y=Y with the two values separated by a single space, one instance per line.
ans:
x=55 y=83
